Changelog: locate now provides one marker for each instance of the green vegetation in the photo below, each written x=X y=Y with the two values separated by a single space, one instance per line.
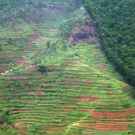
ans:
x=49 y=86
x=78 y=16
x=115 y=26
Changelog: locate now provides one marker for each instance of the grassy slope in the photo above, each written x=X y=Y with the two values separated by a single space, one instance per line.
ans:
x=48 y=103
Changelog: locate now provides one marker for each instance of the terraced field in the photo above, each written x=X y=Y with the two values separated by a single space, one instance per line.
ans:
x=51 y=85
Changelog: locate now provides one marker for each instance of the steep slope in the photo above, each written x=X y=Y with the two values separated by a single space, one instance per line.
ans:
x=115 y=26
x=52 y=86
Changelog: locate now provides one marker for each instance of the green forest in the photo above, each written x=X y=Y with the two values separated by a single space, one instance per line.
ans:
x=115 y=27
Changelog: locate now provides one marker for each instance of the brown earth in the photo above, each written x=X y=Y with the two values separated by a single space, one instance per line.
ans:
x=83 y=32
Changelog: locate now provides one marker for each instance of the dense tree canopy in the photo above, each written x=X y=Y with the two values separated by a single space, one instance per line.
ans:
x=115 y=24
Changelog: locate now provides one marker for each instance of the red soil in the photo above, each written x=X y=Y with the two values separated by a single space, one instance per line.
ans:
x=130 y=111
x=113 y=115
x=39 y=93
x=88 y=98
x=36 y=93
x=88 y=82
x=109 y=115
x=117 y=121
x=112 y=126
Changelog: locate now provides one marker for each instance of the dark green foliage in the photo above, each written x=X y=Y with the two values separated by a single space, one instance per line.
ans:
x=42 y=69
x=5 y=117
x=114 y=20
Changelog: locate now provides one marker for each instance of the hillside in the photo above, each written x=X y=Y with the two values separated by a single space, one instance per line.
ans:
x=115 y=28
x=56 y=80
